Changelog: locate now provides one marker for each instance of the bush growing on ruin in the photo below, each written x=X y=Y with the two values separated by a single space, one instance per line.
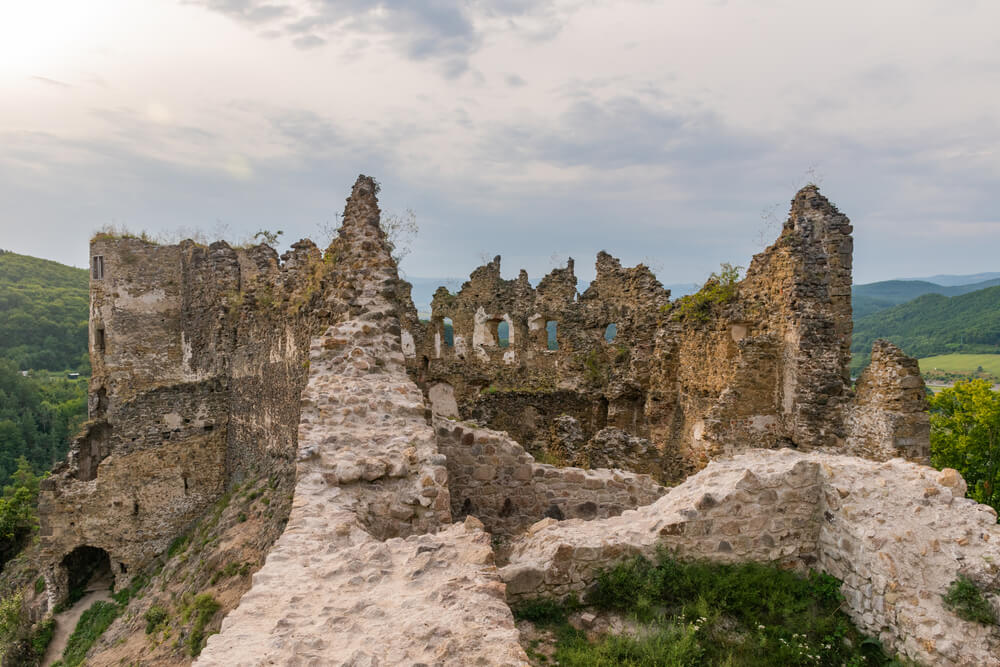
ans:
x=720 y=288
x=968 y=602
x=965 y=435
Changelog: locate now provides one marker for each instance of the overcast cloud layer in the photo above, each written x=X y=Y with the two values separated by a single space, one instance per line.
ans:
x=673 y=133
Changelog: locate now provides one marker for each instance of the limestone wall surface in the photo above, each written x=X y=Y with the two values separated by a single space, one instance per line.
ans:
x=491 y=477
x=359 y=576
x=897 y=534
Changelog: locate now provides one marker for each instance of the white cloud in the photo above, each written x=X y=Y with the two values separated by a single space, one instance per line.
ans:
x=524 y=128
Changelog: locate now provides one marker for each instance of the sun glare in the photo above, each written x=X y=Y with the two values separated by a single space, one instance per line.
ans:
x=41 y=35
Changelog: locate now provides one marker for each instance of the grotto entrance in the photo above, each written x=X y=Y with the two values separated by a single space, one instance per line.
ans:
x=87 y=568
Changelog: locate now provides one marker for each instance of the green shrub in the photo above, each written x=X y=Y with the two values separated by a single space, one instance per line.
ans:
x=39 y=585
x=155 y=616
x=92 y=625
x=968 y=602
x=42 y=636
x=720 y=288
x=123 y=596
x=179 y=545
x=203 y=609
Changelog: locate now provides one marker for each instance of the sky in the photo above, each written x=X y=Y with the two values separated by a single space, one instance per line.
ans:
x=669 y=133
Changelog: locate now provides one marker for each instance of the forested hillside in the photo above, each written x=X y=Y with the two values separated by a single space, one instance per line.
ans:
x=43 y=313
x=37 y=418
x=933 y=324
x=872 y=297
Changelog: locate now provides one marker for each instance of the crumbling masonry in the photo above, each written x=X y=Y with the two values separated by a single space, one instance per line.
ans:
x=411 y=442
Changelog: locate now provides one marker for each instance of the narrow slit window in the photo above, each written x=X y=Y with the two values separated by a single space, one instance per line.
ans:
x=99 y=340
x=551 y=329
x=610 y=332
x=98 y=269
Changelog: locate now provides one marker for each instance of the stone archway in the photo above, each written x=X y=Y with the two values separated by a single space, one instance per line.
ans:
x=83 y=567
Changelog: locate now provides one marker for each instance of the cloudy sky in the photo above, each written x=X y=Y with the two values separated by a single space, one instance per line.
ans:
x=673 y=133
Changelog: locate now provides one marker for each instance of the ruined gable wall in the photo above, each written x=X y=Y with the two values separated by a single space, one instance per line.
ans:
x=523 y=387
x=769 y=368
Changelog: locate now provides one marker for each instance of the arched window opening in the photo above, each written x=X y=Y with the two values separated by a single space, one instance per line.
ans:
x=503 y=334
x=551 y=328
x=448 y=332
x=610 y=332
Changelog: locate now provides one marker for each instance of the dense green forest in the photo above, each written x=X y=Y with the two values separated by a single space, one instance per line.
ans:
x=933 y=324
x=873 y=297
x=37 y=418
x=44 y=313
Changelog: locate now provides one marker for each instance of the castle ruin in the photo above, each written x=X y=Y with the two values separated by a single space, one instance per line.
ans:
x=411 y=442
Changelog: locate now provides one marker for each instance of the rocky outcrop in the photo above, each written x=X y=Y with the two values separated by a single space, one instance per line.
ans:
x=896 y=533
x=357 y=577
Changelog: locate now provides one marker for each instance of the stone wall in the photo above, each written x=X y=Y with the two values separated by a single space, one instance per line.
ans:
x=896 y=533
x=367 y=571
x=199 y=356
x=767 y=367
x=491 y=477
x=889 y=415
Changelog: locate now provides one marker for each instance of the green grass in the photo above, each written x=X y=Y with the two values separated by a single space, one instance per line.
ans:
x=202 y=610
x=961 y=363
x=92 y=625
x=699 y=613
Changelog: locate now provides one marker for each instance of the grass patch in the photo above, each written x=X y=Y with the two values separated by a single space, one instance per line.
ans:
x=155 y=616
x=951 y=367
x=700 y=613
x=92 y=625
x=968 y=602
x=201 y=610
x=42 y=636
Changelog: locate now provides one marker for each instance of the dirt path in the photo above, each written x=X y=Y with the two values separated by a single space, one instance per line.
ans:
x=98 y=589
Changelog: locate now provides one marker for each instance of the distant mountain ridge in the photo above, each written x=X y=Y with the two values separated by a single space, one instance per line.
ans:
x=949 y=280
x=872 y=297
x=933 y=324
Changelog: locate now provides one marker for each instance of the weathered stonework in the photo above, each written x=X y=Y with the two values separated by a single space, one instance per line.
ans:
x=213 y=365
x=342 y=585
x=492 y=478
x=889 y=414
x=896 y=533
x=767 y=368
